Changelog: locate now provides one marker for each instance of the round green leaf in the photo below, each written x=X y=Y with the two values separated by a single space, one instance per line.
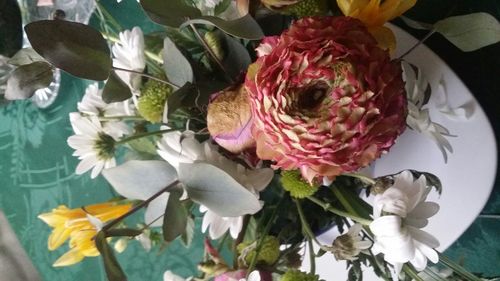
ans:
x=170 y=13
x=73 y=47
x=26 y=79
x=245 y=27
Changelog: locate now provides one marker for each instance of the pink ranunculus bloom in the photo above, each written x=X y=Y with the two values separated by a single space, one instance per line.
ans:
x=325 y=98
x=229 y=119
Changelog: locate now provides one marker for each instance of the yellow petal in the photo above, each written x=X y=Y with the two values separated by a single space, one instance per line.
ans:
x=351 y=7
x=71 y=257
x=385 y=37
x=58 y=236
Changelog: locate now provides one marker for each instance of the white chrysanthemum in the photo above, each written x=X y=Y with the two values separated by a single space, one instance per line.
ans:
x=348 y=246
x=254 y=276
x=93 y=105
x=399 y=213
x=217 y=225
x=207 y=8
x=177 y=148
x=92 y=146
x=418 y=117
x=129 y=54
x=170 y=276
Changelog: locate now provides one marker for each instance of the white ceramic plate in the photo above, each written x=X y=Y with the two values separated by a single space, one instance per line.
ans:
x=468 y=176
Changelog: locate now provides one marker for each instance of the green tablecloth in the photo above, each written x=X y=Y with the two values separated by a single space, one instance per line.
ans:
x=36 y=165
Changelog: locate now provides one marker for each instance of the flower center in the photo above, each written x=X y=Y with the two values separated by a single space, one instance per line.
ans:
x=311 y=97
x=105 y=147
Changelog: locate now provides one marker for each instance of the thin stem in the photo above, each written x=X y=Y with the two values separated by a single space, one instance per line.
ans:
x=489 y=216
x=107 y=15
x=239 y=239
x=121 y=118
x=146 y=75
x=264 y=234
x=210 y=51
x=362 y=177
x=457 y=268
x=416 y=45
x=338 y=212
x=138 y=136
x=412 y=273
x=306 y=229
x=138 y=207
x=312 y=258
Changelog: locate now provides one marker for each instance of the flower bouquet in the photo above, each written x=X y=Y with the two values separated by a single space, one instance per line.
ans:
x=262 y=119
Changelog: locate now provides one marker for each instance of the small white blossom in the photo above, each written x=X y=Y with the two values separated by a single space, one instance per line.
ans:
x=349 y=245
x=218 y=225
x=418 y=117
x=399 y=213
x=207 y=8
x=129 y=54
x=170 y=276
x=462 y=112
x=92 y=146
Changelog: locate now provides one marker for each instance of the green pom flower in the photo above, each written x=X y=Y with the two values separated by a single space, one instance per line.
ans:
x=269 y=253
x=293 y=182
x=152 y=100
x=307 y=8
x=296 y=275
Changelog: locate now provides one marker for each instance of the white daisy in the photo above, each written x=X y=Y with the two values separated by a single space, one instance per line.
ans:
x=218 y=225
x=348 y=246
x=399 y=212
x=129 y=54
x=93 y=105
x=92 y=145
x=418 y=117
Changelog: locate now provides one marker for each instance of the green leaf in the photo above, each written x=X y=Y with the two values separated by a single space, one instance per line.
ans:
x=470 y=32
x=245 y=27
x=120 y=232
x=170 y=13
x=184 y=97
x=25 y=56
x=175 y=218
x=11 y=30
x=185 y=40
x=115 y=90
x=222 y=7
x=111 y=265
x=73 y=47
x=237 y=58
x=26 y=79
x=143 y=145
x=218 y=191
x=176 y=66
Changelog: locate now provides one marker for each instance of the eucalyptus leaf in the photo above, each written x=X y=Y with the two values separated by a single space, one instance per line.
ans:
x=470 y=32
x=111 y=265
x=26 y=79
x=245 y=27
x=417 y=24
x=188 y=235
x=175 y=218
x=25 y=56
x=176 y=66
x=73 y=47
x=11 y=30
x=222 y=6
x=218 y=191
x=185 y=40
x=123 y=232
x=170 y=13
x=237 y=58
x=115 y=90
x=184 y=97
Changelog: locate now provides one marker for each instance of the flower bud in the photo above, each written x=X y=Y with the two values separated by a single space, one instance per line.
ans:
x=308 y=8
x=269 y=252
x=152 y=101
x=296 y=275
x=293 y=182
x=229 y=119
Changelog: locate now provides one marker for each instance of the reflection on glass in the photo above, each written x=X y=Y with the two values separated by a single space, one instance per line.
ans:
x=34 y=10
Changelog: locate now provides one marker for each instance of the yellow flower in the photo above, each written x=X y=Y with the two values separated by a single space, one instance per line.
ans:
x=75 y=225
x=375 y=13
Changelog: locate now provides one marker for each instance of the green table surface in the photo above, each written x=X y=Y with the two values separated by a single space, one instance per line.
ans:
x=37 y=169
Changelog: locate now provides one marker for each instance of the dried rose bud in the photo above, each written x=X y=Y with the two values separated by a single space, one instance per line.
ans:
x=229 y=119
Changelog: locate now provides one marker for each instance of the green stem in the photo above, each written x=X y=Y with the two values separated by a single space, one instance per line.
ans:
x=108 y=16
x=362 y=177
x=338 y=212
x=211 y=52
x=138 y=207
x=306 y=229
x=420 y=42
x=412 y=273
x=312 y=258
x=138 y=136
x=146 y=75
x=264 y=233
x=121 y=118
x=457 y=268
x=239 y=239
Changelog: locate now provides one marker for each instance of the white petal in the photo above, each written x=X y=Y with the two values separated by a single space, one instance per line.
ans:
x=85 y=165
x=424 y=210
x=430 y=253
x=423 y=237
x=386 y=226
x=169 y=276
x=236 y=226
x=419 y=261
x=97 y=169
